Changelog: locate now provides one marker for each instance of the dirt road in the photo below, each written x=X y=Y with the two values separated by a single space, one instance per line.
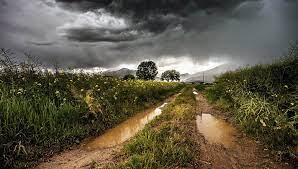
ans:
x=221 y=145
x=101 y=150
x=224 y=147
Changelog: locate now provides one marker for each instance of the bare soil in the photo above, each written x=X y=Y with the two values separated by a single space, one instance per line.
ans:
x=245 y=154
x=81 y=158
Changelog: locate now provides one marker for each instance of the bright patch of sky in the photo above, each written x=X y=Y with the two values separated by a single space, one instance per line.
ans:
x=99 y=19
x=183 y=64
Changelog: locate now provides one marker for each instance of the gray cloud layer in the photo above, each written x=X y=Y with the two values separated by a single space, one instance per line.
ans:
x=87 y=33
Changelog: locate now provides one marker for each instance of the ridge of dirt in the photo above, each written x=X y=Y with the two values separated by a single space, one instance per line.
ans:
x=246 y=154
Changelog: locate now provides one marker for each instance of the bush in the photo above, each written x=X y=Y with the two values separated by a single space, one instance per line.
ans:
x=129 y=77
x=200 y=87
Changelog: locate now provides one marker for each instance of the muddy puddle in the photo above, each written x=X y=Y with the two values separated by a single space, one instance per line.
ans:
x=216 y=131
x=124 y=131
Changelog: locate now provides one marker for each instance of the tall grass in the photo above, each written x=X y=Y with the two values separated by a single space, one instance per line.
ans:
x=42 y=113
x=264 y=100
x=167 y=141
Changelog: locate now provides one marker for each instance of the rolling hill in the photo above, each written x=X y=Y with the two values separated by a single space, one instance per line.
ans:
x=208 y=75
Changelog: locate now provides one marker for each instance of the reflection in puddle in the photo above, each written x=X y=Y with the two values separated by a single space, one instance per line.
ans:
x=216 y=130
x=124 y=131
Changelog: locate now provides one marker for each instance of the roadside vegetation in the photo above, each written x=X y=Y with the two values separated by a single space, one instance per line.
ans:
x=201 y=87
x=42 y=113
x=263 y=100
x=166 y=142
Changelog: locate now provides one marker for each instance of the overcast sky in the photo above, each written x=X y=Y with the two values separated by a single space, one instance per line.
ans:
x=188 y=35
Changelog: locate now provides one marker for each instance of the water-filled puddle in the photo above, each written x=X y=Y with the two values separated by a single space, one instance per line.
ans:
x=215 y=130
x=124 y=131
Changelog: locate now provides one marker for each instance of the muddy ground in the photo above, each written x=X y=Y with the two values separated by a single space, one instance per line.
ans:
x=232 y=149
x=100 y=151
x=243 y=153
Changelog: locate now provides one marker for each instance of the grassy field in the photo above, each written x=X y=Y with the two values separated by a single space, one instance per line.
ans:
x=263 y=100
x=42 y=113
x=166 y=142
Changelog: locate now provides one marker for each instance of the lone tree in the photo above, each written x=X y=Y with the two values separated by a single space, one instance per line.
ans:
x=147 y=70
x=129 y=77
x=172 y=75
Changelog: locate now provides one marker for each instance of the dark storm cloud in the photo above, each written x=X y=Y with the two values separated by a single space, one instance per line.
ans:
x=143 y=7
x=127 y=46
x=83 y=5
x=41 y=43
x=3 y=3
x=152 y=16
x=95 y=35
x=107 y=33
x=150 y=27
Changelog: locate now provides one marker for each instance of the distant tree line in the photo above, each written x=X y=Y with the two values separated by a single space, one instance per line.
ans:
x=147 y=70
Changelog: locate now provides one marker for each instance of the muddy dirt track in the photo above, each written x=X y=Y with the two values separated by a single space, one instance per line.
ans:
x=102 y=149
x=223 y=147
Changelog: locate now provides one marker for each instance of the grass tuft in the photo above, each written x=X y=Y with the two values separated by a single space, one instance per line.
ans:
x=166 y=141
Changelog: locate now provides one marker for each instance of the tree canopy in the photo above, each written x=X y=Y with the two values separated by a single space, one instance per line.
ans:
x=147 y=70
x=170 y=75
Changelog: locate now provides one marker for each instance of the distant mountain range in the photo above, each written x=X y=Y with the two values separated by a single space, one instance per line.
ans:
x=184 y=76
x=207 y=76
